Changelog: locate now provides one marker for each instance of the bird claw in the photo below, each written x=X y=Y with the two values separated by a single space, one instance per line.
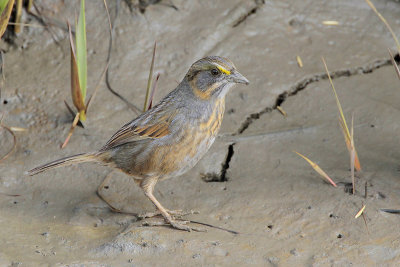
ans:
x=173 y=213
x=182 y=226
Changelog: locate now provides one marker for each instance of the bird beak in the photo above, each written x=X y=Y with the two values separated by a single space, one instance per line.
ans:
x=236 y=77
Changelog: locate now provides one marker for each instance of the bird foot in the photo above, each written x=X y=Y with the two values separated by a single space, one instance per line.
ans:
x=173 y=213
x=181 y=225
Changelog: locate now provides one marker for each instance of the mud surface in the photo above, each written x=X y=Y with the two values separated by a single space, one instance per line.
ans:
x=250 y=181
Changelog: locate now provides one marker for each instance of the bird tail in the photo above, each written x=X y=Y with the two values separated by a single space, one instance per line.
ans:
x=84 y=157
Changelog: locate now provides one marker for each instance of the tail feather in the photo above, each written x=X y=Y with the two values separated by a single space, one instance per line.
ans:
x=84 y=157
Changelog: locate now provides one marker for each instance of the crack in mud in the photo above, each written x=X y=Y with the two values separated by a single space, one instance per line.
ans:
x=299 y=86
x=252 y=11
x=221 y=177
x=225 y=166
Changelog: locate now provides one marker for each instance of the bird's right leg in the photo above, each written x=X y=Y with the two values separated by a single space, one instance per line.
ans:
x=101 y=188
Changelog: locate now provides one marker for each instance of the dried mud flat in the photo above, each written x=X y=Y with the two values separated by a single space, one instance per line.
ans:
x=286 y=215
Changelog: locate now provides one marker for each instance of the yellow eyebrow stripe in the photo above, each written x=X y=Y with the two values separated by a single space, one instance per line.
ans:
x=222 y=69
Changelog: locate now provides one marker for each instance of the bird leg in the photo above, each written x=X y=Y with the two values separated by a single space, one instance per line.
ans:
x=148 y=186
x=114 y=209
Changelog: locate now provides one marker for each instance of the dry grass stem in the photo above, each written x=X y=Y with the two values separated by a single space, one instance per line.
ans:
x=280 y=109
x=330 y=22
x=146 y=100
x=365 y=222
x=131 y=106
x=299 y=61
x=77 y=97
x=396 y=68
x=360 y=212
x=317 y=169
x=18 y=14
x=371 y=5
x=14 y=139
x=216 y=227
x=342 y=122
x=352 y=155
x=18 y=129
x=26 y=24
x=2 y=66
x=9 y=195
x=108 y=14
x=96 y=88
x=153 y=90
x=30 y=5
x=71 y=130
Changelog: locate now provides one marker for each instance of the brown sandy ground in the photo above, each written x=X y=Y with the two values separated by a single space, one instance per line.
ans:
x=286 y=214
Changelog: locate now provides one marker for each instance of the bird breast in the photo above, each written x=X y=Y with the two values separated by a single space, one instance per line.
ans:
x=195 y=140
x=174 y=154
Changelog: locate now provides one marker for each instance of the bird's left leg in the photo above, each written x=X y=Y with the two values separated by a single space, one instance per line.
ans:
x=147 y=185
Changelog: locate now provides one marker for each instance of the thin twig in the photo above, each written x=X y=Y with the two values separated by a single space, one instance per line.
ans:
x=371 y=5
x=213 y=226
x=366 y=225
x=3 y=78
x=9 y=195
x=396 y=68
x=69 y=109
x=96 y=88
x=27 y=25
x=129 y=104
x=108 y=15
x=14 y=139
x=71 y=130
x=150 y=78
x=153 y=90
x=352 y=154
x=366 y=190
x=342 y=121
x=80 y=124
x=2 y=67
x=317 y=168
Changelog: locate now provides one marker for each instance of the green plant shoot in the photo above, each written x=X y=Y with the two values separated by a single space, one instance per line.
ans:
x=5 y=10
x=81 y=56
x=3 y=4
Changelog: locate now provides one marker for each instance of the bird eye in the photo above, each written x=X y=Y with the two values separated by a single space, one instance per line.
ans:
x=215 y=72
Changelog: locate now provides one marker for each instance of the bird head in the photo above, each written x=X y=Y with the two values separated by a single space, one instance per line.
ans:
x=213 y=76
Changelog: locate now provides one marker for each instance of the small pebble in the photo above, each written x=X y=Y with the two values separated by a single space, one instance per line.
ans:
x=294 y=252
x=196 y=256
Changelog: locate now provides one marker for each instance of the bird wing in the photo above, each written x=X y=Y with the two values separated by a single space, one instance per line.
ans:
x=151 y=124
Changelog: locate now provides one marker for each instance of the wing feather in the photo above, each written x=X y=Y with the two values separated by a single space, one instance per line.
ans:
x=142 y=128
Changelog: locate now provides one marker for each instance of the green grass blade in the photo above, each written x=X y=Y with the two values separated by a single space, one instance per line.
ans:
x=3 y=4
x=81 y=59
x=5 y=16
